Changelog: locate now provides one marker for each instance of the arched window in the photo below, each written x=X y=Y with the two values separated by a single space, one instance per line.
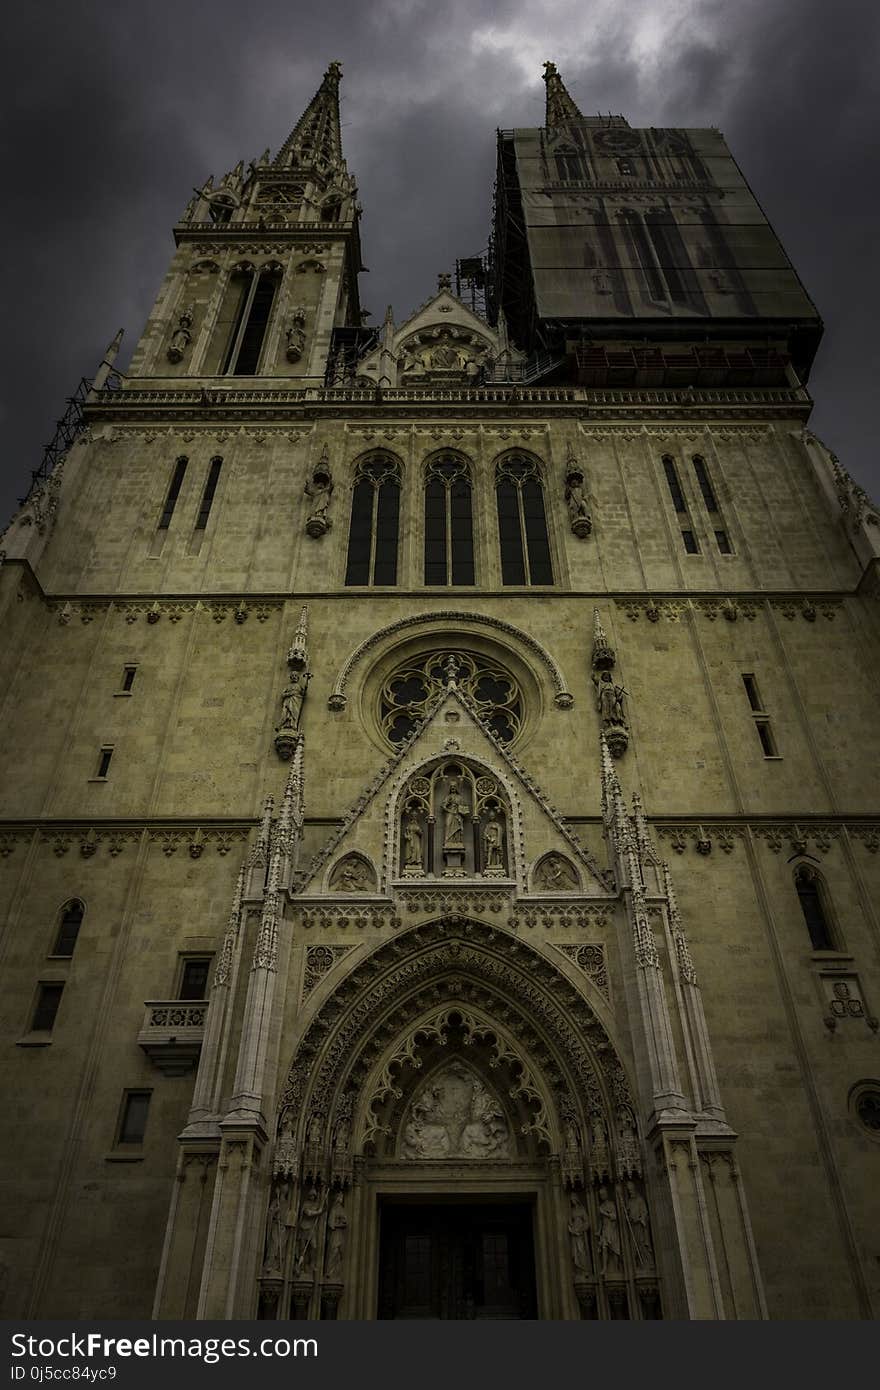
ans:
x=812 y=899
x=449 y=528
x=244 y=318
x=69 y=923
x=522 y=522
x=375 y=522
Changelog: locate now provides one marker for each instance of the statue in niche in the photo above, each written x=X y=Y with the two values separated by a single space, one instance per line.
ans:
x=493 y=846
x=609 y=1234
x=609 y=699
x=276 y=1226
x=455 y=1116
x=555 y=873
x=628 y=1143
x=412 y=840
x=579 y=1231
x=575 y=499
x=292 y=700
x=454 y=810
x=411 y=365
x=337 y=1228
x=319 y=490
x=638 y=1224
x=182 y=335
x=296 y=334
x=307 y=1234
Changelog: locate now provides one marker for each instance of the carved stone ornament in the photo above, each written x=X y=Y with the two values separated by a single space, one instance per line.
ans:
x=453 y=1115
x=575 y=497
x=319 y=490
x=287 y=731
x=296 y=334
x=182 y=335
x=609 y=702
x=353 y=874
x=556 y=874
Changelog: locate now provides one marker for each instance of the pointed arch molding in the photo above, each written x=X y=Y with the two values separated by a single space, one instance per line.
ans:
x=450 y=617
x=542 y=1024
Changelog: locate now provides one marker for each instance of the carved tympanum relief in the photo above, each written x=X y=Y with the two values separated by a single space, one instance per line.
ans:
x=454 y=1115
x=352 y=874
x=555 y=873
x=442 y=354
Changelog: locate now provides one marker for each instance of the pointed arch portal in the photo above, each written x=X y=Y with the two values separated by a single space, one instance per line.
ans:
x=460 y=1106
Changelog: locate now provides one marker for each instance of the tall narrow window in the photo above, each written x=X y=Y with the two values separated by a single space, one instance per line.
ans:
x=133 y=1117
x=809 y=891
x=194 y=977
x=208 y=494
x=722 y=539
x=250 y=300
x=173 y=493
x=688 y=534
x=104 y=760
x=68 y=928
x=46 y=1008
x=760 y=716
x=375 y=522
x=522 y=522
x=449 y=530
x=128 y=675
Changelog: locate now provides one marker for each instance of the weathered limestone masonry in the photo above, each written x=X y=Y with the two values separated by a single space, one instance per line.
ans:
x=439 y=817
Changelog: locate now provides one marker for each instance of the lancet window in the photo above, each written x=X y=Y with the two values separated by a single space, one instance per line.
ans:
x=449 y=527
x=812 y=899
x=244 y=317
x=522 y=521
x=373 y=534
x=454 y=823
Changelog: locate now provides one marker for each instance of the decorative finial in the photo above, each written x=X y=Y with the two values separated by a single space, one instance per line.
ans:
x=451 y=666
x=444 y=281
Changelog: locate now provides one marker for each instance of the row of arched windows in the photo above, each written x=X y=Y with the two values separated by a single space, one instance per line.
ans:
x=374 y=528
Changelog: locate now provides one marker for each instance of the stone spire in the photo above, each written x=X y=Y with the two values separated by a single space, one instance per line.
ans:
x=560 y=107
x=316 y=138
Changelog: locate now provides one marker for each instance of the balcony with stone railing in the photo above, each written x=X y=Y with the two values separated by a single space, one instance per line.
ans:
x=172 y=1034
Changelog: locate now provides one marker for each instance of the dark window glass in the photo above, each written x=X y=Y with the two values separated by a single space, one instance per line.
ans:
x=751 y=686
x=128 y=675
x=766 y=737
x=68 y=928
x=173 y=494
x=449 y=539
x=705 y=483
x=104 y=764
x=255 y=330
x=133 y=1124
x=435 y=531
x=235 y=309
x=194 y=979
x=522 y=523
x=690 y=543
x=208 y=494
x=676 y=493
x=810 y=896
x=723 y=542
x=48 y=999
x=374 y=528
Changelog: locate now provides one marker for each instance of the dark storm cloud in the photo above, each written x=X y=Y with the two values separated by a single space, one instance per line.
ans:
x=116 y=111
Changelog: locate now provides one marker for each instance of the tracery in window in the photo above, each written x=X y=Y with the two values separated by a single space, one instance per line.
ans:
x=522 y=521
x=410 y=691
x=449 y=529
x=375 y=522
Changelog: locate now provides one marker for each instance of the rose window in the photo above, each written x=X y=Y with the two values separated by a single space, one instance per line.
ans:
x=408 y=694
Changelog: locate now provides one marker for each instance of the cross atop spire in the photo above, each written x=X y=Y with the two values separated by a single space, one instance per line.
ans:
x=317 y=137
x=560 y=106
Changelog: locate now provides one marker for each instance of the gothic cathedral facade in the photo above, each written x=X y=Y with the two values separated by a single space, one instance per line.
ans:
x=440 y=817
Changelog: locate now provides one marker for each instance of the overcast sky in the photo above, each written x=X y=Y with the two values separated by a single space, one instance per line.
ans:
x=117 y=109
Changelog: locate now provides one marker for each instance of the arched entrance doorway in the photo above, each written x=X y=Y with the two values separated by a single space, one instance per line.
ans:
x=457 y=1139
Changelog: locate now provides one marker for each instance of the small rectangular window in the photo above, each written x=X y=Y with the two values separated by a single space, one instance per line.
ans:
x=128 y=675
x=676 y=493
x=208 y=494
x=194 y=977
x=723 y=542
x=751 y=686
x=133 y=1117
x=104 y=762
x=48 y=999
x=766 y=737
x=173 y=494
x=690 y=543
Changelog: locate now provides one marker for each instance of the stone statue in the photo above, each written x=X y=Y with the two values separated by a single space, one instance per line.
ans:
x=351 y=876
x=182 y=335
x=454 y=810
x=579 y=1231
x=639 y=1226
x=575 y=500
x=337 y=1227
x=292 y=699
x=296 y=334
x=493 y=841
x=609 y=1234
x=276 y=1227
x=444 y=356
x=555 y=873
x=306 y=1234
x=412 y=835
x=609 y=699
